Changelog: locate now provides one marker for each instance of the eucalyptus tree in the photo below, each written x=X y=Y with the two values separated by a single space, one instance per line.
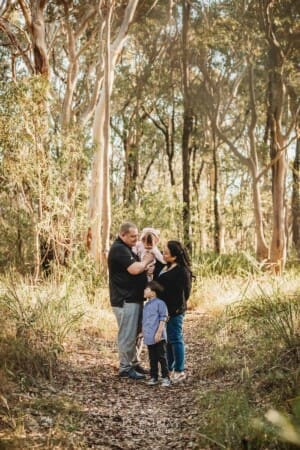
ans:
x=293 y=89
x=34 y=33
x=218 y=73
x=296 y=200
x=145 y=113
x=187 y=123
x=75 y=39
x=132 y=102
x=279 y=23
x=229 y=71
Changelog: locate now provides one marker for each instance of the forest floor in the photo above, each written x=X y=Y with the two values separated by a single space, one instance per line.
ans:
x=87 y=406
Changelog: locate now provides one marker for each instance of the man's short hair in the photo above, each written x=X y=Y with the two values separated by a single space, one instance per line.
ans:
x=125 y=227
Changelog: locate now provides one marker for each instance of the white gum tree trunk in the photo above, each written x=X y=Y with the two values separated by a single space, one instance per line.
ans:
x=99 y=208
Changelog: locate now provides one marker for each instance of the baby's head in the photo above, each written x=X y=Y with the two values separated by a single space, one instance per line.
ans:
x=150 y=238
x=152 y=289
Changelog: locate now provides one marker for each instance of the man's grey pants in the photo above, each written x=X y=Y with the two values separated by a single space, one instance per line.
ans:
x=127 y=319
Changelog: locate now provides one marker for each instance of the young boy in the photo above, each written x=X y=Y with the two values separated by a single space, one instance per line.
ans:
x=155 y=315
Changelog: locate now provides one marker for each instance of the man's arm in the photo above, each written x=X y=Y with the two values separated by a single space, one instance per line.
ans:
x=140 y=266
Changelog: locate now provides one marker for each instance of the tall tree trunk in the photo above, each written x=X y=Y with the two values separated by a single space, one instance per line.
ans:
x=39 y=39
x=276 y=93
x=131 y=170
x=106 y=208
x=198 y=231
x=262 y=251
x=167 y=128
x=187 y=127
x=170 y=145
x=99 y=208
x=295 y=110
x=218 y=244
x=296 y=200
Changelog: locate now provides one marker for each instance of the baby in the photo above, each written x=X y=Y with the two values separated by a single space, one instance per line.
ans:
x=148 y=244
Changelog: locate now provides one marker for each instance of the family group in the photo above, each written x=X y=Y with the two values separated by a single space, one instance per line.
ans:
x=138 y=271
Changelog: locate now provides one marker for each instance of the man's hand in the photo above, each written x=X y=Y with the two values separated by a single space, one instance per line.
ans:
x=148 y=258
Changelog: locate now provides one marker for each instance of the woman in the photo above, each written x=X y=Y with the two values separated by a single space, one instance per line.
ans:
x=176 y=279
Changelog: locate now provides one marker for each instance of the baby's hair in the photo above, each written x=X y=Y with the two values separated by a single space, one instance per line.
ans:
x=155 y=286
x=148 y=239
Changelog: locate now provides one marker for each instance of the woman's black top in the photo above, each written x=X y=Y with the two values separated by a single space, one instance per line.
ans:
x=177 y=287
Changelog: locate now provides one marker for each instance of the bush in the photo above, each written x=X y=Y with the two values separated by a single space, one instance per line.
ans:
x=235 y=264
x=39 y=317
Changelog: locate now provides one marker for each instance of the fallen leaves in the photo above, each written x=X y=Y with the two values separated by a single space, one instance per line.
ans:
x=87 y=406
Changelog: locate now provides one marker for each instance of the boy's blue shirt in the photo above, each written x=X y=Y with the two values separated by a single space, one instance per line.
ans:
x=155 y=311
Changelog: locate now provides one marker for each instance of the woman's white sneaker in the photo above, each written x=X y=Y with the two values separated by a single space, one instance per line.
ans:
x=178 y=377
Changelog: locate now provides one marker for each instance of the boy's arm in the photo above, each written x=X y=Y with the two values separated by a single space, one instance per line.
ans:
x=159 y=331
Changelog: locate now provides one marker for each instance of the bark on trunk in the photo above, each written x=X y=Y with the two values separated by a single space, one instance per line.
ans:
x=218 y=243
x=106 y=215
x=296 y=200
x=276 y=94
x=99 y=209
x=262 y=251
x=41 y=61
x=131 y=171
x=187 y=128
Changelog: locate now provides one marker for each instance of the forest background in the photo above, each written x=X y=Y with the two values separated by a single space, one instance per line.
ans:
x=180 y=114
x=187 y=120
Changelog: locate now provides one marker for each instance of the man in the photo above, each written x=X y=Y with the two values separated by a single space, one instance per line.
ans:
x=127 y=280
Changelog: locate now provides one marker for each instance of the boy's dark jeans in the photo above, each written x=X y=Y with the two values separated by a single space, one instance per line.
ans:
x=158 y=354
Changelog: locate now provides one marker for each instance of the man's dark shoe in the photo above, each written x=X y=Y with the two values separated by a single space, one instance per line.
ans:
x=141 y=369
x=123 y=374
x=131 y=373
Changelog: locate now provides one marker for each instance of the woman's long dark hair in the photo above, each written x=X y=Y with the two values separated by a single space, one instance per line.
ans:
x=182 y=257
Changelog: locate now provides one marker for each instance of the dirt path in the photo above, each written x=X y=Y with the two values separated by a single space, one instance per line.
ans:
x=87 y=406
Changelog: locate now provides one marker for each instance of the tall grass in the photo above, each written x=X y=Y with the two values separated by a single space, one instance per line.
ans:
x=34 y=320
x=255 y=344
x=275 y=315
x=235 y=264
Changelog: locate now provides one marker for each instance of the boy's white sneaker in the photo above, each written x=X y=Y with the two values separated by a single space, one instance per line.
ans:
x=152 y=382
x=165 y=382
x=178 y=377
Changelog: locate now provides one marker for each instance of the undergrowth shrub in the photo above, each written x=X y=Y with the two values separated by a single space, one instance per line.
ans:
x=275 y=315
x=235 y=264
x=254 y=366
x=39 y=318
x=82 y=271
x=230 y=423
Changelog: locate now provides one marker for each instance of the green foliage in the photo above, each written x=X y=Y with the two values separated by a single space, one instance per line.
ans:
x=229 y=422
x=286 y=427
x=236 y=264
x=83 y=271
x=275 y=316
x=39 y=318
x=255 y=345
x=42 y=179
x=157 y=208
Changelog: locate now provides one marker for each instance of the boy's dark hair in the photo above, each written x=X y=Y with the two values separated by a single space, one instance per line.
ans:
x=155 y=286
